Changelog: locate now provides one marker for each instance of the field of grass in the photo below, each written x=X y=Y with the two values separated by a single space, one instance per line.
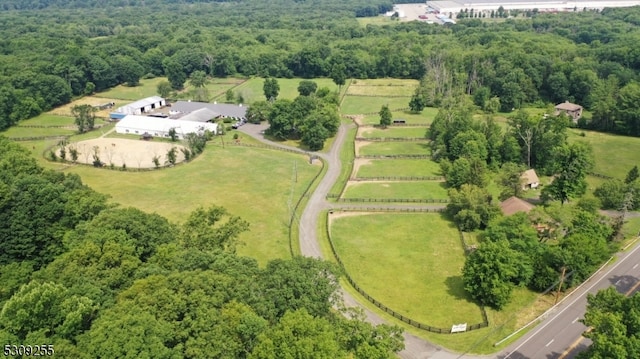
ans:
x=48 y=120
x=397 y=190
x=252 y=88
x=399 y=167
x=614 y=155
x=382 y=87
x=393 y=148
x=423 y=118
x=404 y=132
x=146 y=88
x=65 y=110
x=19 y=132
x=424 y=248
x=253 y=183
x=355 y=105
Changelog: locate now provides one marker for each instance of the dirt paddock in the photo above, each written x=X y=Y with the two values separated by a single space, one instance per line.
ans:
x=119 y=151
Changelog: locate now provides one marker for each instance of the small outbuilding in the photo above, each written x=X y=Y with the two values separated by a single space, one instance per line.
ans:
x=160 y=127
x=513 y=205
x=145 y=105
x=530 y=179
x=570 y=109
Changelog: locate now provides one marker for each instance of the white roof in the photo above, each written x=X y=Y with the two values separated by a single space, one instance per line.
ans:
x=141 y=103
x=156 y=124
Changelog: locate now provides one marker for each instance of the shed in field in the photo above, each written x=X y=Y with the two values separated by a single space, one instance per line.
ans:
x=530 y=179
x=570 y=109
x=160 y=127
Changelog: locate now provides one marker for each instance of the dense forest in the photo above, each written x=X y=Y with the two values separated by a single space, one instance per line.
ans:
x=47 y=57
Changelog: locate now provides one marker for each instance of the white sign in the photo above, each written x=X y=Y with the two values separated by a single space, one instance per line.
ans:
x=458 y=328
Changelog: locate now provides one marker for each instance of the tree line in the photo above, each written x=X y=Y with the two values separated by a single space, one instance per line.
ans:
x=96 y=280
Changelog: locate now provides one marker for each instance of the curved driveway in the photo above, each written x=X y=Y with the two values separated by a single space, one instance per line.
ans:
x=558 y=329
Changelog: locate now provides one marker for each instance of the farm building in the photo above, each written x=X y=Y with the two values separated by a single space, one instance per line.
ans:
x=530 y=179
x=514 y=205
x=139 y=107
x=570 y=109
x=486 y=6
x=221 y=110
x=160 y=127
x=201 y=115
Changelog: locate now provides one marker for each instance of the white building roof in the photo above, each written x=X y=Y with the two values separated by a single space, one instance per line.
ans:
x=139 y=104
x=153 y=125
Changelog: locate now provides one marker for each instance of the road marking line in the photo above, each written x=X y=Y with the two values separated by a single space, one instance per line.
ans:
x=575 y=320
x=635 y=266
x=549 y=343
x=632 y=289
x=618 y=281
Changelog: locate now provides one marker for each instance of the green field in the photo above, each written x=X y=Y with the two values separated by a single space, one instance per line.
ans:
x=355 y=105
x=423 y=118
x=614 y=155
x=252 y=88
x=382 y=87
x=48 y=120
x=399 y=167
x=19 y=132
x=393 y=148
x=253 y=183
x=397 y=190
x=147 y=87
x=400 y=131
x=420 y=254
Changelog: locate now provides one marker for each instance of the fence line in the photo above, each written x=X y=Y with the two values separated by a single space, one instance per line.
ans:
x=393 y=139
x=600 y=175
x=389 y=209
x=399 y=178
x=384 y=96
x=422 y=125
x=385 y=157
x=37 y=138
x=392 y=200
x=388 y=310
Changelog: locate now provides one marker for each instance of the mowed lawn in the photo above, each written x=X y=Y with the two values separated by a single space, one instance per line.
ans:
x=252 y=89
x=46 y=119
x=396 y=190
x=393 y=132
x=410 y=262
x=146 y=88
x=614 y=155
x=423 y=118
x=255 y=184
x=21 y=132
x=382 y=87
x=357 y=105
x=393 y=148
x=399 y=167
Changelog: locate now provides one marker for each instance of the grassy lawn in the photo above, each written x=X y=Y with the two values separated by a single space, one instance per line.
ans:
x=355 y=105
x=423 y=118
x=397 y=190
x=424 y=248
x=18 y=132
x=147 y=87
x=253 y=183
x=607 y=147
x=404 y=132
x=252 y=88
x=46 y=119
x=382 y=87
x=394 y=148
x=399 y=167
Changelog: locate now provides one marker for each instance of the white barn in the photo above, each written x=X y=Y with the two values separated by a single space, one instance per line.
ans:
x=160 y=127
x=142 y=106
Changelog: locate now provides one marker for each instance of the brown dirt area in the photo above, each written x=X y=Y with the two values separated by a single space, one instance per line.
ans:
x=90 y=100
x=133 y=153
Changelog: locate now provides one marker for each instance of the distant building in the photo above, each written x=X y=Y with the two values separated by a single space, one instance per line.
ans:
x=139 y=107
x=530 y=179
x=570 y=109
x=160 y=127
x=513 y=205
x=221 y=110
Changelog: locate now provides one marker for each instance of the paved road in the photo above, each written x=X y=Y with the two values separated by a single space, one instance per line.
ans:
x=559 y=330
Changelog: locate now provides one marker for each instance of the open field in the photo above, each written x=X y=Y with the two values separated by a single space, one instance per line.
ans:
x=382 y=87
x=396 y=190
x=355 y=105
x=65 y=110
x=48 y=120
x=400 y=131
x=147 y=87
x=253 y=183
x=392 y=148
x=252 y=88
x=614 y=155
x=398 y=167
x=423 y=118
x=420 y=254
x=20 y=132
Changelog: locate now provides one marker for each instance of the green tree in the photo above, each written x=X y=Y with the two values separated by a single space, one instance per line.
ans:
x=385 y=116
x=172 y=156
x=471 y=207
x=572 y=164
x=164 y=89
x=175 y=73
x=314 y=134
x=271 y=89
x=84 y=117
x=307 y=87
x=229 y=96
x=258 y=112
x=511 y=180
x=198 y=79
x=173 y=135
x=338 y=75
x=212 y=229
x=611 y=193
x=633 y=175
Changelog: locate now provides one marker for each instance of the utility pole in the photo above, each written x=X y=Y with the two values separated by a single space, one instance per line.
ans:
x=564 y=269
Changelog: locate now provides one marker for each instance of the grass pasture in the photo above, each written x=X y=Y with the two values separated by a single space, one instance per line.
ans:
x=65 y=110
x=48 y=120
x=614 y=155
x=396 y=190
x=382 y=87
x=253 y=183
x=392 y=148
x=21 y=132
x=252 y=88
x=398 y=167
x=146 y=88
x=420 y=254
x=392 y=132
x=423 y=118
x=357 y=105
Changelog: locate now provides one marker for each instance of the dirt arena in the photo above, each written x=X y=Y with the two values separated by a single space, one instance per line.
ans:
x=119 y=151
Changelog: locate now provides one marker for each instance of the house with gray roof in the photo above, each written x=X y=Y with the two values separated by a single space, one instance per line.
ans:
x=224 y=110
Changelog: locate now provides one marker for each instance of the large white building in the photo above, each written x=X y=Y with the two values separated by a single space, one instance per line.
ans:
x=142 y=106
x=455 y=6
x=160 y=127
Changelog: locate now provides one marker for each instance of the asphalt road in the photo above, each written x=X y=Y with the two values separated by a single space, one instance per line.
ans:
x=557 y=336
